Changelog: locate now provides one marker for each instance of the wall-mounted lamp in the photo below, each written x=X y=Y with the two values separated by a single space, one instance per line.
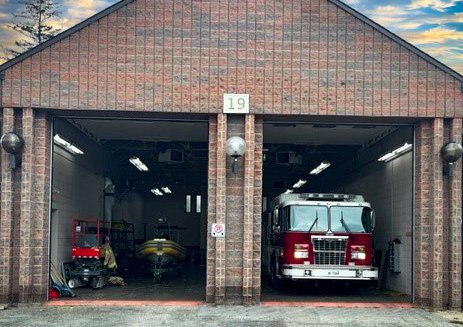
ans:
x=13 y=144
x=236 y=147
x=451 y=152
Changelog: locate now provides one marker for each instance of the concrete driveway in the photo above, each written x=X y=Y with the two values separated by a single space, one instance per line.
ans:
x=232 y=316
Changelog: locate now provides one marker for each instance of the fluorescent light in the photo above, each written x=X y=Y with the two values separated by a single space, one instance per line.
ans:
x=321 y=167
x=138 y=164
x=156 y=192
x=299 y=183
x=395 y=153
x=288 y=191
x=166 y=190
x=57 y=139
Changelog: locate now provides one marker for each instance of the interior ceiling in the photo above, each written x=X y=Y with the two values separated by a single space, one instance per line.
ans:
x=276 y=133
x=326 y=134
x=144 y=130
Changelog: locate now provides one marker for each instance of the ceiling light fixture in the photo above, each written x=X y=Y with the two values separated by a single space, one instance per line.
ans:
x=166 y=190
x=395 y=153
x=138 y=163
x=156 y=192
x=288 y=191
x=300 y=183
x=57 y=139
x=321 y=167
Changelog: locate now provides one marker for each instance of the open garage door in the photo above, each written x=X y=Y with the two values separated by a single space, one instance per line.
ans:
x=338 y=212
x=140 y=186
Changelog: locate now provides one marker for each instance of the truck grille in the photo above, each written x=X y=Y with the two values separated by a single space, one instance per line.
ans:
x=329 y=250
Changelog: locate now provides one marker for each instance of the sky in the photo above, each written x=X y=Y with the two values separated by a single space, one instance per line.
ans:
x=434 y=26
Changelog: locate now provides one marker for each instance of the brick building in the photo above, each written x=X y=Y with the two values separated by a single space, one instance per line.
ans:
x=300 y=61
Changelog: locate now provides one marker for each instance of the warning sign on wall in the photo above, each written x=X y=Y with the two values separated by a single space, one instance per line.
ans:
x=218 y=230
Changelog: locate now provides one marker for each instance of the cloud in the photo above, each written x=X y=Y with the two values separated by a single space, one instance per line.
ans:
x=439 y=5
x=80 y=10
x=434 y=35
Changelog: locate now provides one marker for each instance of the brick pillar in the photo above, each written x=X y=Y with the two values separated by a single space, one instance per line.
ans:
x=437 y=218
x=6 y=214
x=248 y=221
x=25 y=215
x=454 y=204
x=235 y=198
x=234 y=262
x=257 y=211
x=215 y=288
x=437 y=271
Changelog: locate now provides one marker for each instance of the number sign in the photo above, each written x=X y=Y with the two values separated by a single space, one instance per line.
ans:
x=236 y=103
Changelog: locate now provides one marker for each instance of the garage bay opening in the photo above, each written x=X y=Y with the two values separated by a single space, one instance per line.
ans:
x=129 y=208
x=338 y=212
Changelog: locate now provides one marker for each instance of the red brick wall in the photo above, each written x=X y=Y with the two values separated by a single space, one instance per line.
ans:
x=292 y=57
x=233 y=266
x=437 y=274
x=24 y=210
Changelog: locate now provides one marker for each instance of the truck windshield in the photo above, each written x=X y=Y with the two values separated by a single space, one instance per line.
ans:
x=351 y=219
x=303 y=218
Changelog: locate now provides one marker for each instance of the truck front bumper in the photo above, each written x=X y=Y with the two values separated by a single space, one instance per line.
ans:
x=329 y=272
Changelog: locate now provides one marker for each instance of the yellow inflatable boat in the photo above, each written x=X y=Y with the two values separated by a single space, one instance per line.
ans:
x=162 y=252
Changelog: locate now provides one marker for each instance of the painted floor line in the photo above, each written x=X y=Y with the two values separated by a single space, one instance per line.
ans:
x=121 y=303
x=385 y=305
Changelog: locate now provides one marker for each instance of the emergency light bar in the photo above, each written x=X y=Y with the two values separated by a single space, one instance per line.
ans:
x=138 y=164
x=397 y=152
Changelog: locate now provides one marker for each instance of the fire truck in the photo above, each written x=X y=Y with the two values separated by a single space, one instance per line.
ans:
x=319 y=237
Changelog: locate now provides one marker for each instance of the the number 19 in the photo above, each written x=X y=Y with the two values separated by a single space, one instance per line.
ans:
x=240 y=101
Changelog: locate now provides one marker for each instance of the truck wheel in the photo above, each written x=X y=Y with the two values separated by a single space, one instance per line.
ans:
x=72 y=283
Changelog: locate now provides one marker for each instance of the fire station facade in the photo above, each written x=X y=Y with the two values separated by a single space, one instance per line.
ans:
x=305 y=59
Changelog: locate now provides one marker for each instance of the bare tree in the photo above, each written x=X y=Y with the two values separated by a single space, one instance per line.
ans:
x=33 y=23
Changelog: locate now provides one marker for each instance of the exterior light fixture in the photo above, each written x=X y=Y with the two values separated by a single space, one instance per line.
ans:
x=13 y=144
x=321 y=167
x=236 y=147
x=66 y=145
x=156 y=192
x=451 y=152
x=396 y=153
x=300 y=183
x=138 y=163
x=166 y=190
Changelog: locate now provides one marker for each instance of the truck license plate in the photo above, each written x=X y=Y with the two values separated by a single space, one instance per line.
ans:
x=333 y=272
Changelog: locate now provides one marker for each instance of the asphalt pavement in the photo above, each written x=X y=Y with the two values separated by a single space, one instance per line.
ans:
x=240 y=316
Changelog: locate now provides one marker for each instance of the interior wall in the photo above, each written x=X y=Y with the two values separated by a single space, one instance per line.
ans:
x=131 y=208
x=78 y=185
x=389 y=189
x=192 y=225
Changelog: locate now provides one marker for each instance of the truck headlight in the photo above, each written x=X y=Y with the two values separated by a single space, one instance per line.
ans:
x=357 y=252
x=301 y=251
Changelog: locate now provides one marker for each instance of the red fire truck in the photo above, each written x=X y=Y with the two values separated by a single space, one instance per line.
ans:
x=319 y=236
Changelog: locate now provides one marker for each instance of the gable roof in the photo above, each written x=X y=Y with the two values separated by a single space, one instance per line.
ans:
x=338 y=3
